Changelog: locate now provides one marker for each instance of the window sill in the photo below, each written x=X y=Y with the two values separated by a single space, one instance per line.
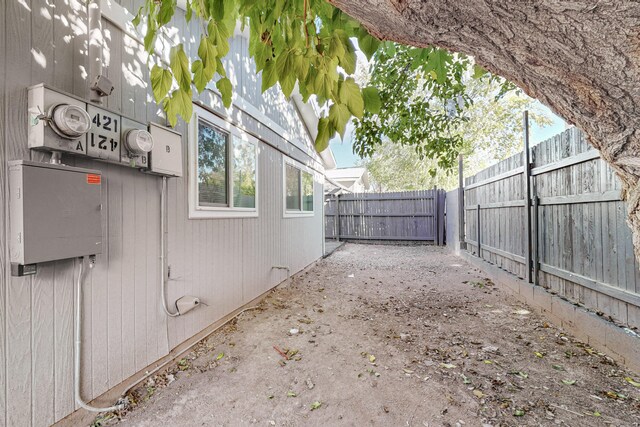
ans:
x=222 y=213
x=298 y=214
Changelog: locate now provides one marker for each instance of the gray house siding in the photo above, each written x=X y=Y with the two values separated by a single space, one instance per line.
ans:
x=226 y=262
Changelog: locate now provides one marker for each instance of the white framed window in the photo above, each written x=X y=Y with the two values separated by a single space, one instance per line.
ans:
x=298 y=188
x=223 y=168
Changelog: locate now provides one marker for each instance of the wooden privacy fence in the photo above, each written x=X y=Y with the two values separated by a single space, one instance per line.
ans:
x=402 y=216
x=572 y=239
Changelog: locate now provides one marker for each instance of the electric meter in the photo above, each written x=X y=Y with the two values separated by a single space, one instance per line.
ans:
x=69 y=121
x=138 y=141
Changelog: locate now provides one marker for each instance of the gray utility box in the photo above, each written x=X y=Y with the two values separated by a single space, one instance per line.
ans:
x=166 y=155
x=55 y=212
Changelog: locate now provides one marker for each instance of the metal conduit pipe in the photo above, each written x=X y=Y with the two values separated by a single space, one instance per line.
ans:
x=78 y=346
x=163 y=279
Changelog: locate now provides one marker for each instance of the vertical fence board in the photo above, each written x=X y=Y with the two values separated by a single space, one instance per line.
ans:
x=578 y=228
x=400 y=216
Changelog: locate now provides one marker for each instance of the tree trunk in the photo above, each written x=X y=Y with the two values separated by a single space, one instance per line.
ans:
x=581 y=58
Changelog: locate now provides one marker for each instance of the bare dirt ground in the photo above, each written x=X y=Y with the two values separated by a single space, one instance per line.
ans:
x=389 y=336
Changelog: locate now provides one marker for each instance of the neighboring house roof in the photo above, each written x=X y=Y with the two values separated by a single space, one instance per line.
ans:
x=352 y=174
x=332 y=187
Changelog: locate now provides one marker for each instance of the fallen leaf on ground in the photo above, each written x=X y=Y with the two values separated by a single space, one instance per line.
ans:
x=632 y=382
x=568 y=382
x=372 y=358
x=220 y=356
x=518 y=413
x=519 y=374
x=291 y=394
x=538 y=354
x=447 y=365
x=315 y=405
x=478 y=393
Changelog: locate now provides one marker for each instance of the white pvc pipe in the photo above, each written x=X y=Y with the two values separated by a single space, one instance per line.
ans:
x=163 y=280
x=78 y=347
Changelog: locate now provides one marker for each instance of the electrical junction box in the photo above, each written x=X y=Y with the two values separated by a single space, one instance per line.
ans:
x=55 y=212
x=166 y=155
x=42 y=135
x=62 y=122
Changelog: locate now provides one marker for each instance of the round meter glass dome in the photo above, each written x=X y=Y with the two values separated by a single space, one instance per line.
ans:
x=139 y=141
x=70 y=121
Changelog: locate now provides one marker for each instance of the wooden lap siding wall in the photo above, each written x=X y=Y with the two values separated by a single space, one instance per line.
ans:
x=226 y=262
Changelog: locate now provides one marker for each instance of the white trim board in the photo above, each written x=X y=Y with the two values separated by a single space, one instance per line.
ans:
x=195 y=210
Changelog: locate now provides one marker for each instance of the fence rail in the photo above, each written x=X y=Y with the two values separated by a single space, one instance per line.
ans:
x=402 y=216
x=576 y=241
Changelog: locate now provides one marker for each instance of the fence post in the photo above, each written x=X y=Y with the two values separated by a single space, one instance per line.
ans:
x=461 y=211
x=436 y=220
x=441 y=226
x=337 y=227
x=478 y=230
x=527 y=192
x=536 y=255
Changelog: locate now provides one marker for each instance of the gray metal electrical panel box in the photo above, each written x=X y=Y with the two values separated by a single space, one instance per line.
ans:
x=55 y=212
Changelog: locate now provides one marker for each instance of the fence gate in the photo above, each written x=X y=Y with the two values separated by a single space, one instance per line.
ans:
x=401 y=216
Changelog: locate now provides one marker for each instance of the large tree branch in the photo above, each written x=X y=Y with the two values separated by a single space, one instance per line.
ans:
x=581 y=58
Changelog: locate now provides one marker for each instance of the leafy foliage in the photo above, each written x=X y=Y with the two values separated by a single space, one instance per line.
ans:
x=426 y=93
x=308 y=43
x=492 y=131
x=311 y=44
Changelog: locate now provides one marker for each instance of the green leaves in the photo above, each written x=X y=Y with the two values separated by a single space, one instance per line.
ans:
x=226 y=90
x=285 y=64
x=351 y=96
x=167 y=9
x=367 y=43
x=308 y=44
x=371 y=99
x=180 y=66
x=339 y=115
x=161 y=80
x=325 y=132
x=179 y=103
x=200 y=77
x=208 y=52
x=269 y=75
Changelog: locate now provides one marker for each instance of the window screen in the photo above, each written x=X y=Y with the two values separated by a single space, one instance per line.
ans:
x=244 y=174
x=293 y=188
x=212 y=166
x=307 y=191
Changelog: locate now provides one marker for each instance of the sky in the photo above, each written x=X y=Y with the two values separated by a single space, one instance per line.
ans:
x=343 y=152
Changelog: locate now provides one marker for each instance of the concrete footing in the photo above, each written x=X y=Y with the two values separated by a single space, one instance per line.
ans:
x=619 y=343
